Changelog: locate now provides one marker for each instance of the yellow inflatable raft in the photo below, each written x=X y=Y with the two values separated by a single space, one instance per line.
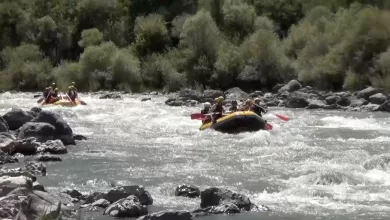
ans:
x=241 y=121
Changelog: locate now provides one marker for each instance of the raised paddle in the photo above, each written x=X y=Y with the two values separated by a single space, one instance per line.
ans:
x=283 y=117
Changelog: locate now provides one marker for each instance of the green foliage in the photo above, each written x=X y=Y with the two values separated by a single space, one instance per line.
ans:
x=90 y=37
x=126 y=72
x=151 y=34
x=239 y=18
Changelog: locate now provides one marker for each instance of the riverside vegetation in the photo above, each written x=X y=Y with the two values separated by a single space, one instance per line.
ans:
x=139 y=45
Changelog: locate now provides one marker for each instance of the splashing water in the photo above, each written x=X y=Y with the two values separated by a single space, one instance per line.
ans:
x=151 y=144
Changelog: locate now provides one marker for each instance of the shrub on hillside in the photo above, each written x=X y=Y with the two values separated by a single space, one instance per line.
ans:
x=96 y=65
x=25 y=67
x=177 y=25
x=264 y=23
x=263 y=52
x=381 y=79
x=151 y=34
x=126 y=72
x=200 y=42
x=90 y=37
x=239 y=18
x=68 y=72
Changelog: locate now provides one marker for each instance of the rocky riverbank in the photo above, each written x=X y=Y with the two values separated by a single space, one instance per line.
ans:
x=292 y=95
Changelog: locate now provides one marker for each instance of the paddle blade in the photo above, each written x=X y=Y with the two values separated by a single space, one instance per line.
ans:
x=268 y=126
x=283 y=117
x=83 y=103
x=197 y=116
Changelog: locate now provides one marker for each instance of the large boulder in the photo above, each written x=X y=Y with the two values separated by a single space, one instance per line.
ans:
x=367 y=92
x=236 y=94
x=40 y=130
x=16 y=118
x=223 y=208
x=9 y=207
x=17 y=172
x=332 y=99
x=35 y=111
x=43 y=202
x=189 y=94
x=378 y=98
x=291 y=86
x=35 y=168
x=384 y=107
x=174 y=102
x=168 y=215
x=357 y=102
x=8 y=184
x=126 y=208
x=6 y=158
x=380 y=162
x=53 y=147
x=63 y=131
x=124 y=191
x=95 y=196
x=297 y=100
x=7 y=142
x=27 y=146
x=215 y=196
x=209 y=95
x=3 y=125
x=187 y=191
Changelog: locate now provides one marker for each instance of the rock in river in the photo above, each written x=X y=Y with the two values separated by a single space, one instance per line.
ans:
x=187 y=191
x=126 y=207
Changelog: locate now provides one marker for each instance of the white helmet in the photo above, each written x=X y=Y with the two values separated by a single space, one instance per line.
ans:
x=206 y=105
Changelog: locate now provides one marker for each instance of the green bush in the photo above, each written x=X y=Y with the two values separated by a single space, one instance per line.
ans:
x=239 y=18
x=151 y=34
x=96 y=68
x=264 y=23
x=68 y=72
x=126 y=74
x=90 y=37
x=200 y=43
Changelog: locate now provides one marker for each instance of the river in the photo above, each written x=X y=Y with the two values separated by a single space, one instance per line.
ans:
x=151 y=144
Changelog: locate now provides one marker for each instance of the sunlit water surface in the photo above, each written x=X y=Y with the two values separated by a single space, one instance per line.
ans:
x=151 y=144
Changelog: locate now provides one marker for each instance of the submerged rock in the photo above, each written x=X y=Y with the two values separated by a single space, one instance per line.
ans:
x=36 y=168
x=333 y=178
x=110 y=96
x=378 y=162
x=48 y=158
x=168 y=215
x=126 y=207
x=215 y=196
x=187 y=191
x=79 y=137
x=53 y=147
x=124 y=191
x=16 y=118
x=6 y=158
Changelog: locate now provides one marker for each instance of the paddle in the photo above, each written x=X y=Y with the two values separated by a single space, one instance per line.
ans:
x=44 y=101
x=283 y=117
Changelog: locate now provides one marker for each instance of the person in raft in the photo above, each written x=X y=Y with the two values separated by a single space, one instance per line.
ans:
x=206 y=110
x=49 y=91
x=234 y=107
x=246 y=106
x=72 y=92
x=256 y=108
x=217 y=109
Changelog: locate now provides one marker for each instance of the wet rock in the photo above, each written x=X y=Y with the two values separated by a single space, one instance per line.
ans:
x=63 y=131
x=316 y=104
x=110 y=96
x=9 y=206
x=95 y=196
x=53 y=147
x=74 y=193
x=223 y=208
x=380 y=162
x=39 y=130
x=18 y=155
x=35 y=111
x=154 y=93
x=187 y=191
x=215 y=196
x=168 y=215
x=209 y=95
x=256 y=94
x=27 y=146
x=189 y=94
x=272 y=103
x=370 y=108
x=191 y=103
x=3 y=125
x=354 y=102
x=17 y=172
x=36 y=168
x=174 y=102
x=102 y=203
x=47 y=158
x=8 y=184
x=145 y=99
x=127 y=207
x=235 y=94
x=43 y=202
x=39 y=187
x=37 y=96
x=276 y=88
x=378 y=99
x=333 y=178
x=6 y=158
x=79 y=137
x=367 y=92
x=330 y=100
x=124 y=191
x=384 y=107
x=16 y=118
x=291 y=86
x=297 y=100
x=7 y=142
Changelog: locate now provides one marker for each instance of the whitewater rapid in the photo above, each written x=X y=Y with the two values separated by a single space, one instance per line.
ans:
x=160 y=147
